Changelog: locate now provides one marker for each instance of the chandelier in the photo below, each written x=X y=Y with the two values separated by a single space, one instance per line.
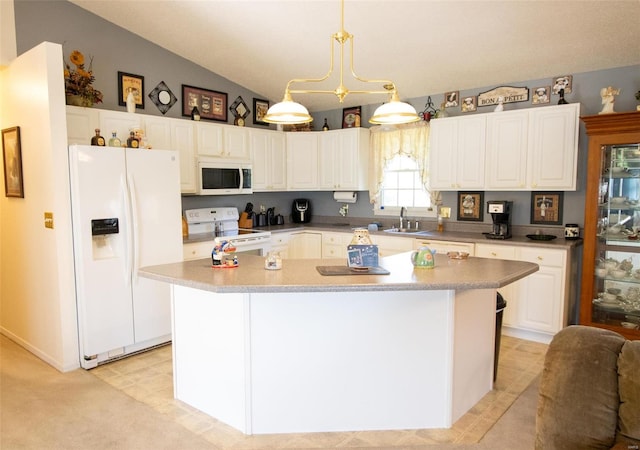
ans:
x=289 y=112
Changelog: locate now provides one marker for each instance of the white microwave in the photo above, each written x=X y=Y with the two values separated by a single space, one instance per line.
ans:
x=224 y=177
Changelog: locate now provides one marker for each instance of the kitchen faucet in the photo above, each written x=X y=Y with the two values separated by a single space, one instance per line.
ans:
x=403 y=211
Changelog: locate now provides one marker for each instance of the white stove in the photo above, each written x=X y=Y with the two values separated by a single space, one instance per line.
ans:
x=223 y=222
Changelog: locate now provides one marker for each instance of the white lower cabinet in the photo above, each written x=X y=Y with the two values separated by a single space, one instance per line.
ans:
x=334 y=245
x=280 y=243
x=197 y=250
x=537 y=305
x=391 y=245
x=445 y=246
x=305 y=244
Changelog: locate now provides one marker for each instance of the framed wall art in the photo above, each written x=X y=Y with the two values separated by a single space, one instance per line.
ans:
x=351 y=117
x=211 y=104
x=12 y=157
x=127 y=81
x=546 y=207
x=541 y=95
x=469 y=104
x=162 y=97
x=451 y=99
x=260 y=108
x=562 y=82
x=470 y=206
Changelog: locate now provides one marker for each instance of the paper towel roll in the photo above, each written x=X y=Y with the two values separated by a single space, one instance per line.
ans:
x=345 y=197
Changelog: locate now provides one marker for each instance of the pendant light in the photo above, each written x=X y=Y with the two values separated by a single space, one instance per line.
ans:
x=288 y=112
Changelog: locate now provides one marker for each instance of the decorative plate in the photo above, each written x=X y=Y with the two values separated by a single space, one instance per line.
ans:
x=162 y=97
x=541 y=237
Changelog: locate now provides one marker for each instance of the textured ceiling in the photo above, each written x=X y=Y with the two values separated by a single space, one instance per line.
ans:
x=424 y=46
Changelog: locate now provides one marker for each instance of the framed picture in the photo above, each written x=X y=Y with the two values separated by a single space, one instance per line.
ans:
x=211 y=104
x=541 y=95
x=12 y=154
x=127 y=81
x=351 y=117
x=470 y=206
x=451 y=99
x=260 y=108
x=562 y=82
x=546 y=207
x=469 y=104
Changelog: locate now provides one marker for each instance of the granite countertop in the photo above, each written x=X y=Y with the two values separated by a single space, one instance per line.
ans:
x=300 y=275
x=455 y=236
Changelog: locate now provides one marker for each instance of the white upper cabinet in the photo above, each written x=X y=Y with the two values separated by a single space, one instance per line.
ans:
x=209 y=141
x=81 y=123
x=457 y=153
x=302 y=161
x=268 y=155
x=236 y=142
x=343 y=159
x=120 y=122
x=533 y=149
x=507 y=142
x=553 y=147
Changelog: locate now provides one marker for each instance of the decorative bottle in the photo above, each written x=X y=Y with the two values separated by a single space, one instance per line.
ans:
x=325 y=127
x=195 y=114
x=132 y=141
x=131 y=102
x=97 y=139
x=114 y=141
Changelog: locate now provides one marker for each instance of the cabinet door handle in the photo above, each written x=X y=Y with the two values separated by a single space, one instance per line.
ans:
x=494 y=254
x=540 y=258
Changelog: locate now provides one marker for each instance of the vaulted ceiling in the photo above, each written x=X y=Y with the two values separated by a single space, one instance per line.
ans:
x=425 y=46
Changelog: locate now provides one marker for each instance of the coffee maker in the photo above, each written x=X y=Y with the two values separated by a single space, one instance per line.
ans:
x=500 y=211
x=301 y=211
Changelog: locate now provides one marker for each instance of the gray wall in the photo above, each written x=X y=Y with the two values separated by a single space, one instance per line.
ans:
x=115 y=49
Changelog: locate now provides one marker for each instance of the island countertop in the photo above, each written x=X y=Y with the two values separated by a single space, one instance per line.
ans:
x=301 y=275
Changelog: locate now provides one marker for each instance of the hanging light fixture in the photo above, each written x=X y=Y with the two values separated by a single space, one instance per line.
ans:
x=288 y=112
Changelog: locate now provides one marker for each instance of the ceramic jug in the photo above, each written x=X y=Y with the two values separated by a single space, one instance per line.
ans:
x=424 y=258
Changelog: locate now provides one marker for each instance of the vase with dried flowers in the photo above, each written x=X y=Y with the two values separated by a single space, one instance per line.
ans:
x=78 y=82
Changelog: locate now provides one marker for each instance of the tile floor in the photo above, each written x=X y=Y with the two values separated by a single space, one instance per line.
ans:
x=147 y=377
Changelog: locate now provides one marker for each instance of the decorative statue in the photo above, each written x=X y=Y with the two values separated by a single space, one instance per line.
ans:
x=608 y=95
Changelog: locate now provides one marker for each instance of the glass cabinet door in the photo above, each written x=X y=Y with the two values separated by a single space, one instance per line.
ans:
x=617 y=268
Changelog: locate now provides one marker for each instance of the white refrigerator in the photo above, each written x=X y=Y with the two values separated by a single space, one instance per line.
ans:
x=126 y=214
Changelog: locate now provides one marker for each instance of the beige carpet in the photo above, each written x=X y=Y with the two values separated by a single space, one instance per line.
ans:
x=44 y=409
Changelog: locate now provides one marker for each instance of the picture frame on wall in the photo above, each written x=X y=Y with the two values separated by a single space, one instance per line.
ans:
x=260 y=108
x=12 y=157
x=469 y=104
x=451 y=99
x=546 y=207
x=470 y=206
x=541 y=95
x=351 y=117
x=212 y=105
x=562 y=82
x=127 y=81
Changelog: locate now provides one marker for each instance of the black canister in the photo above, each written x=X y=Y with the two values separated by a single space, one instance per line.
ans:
x=572 y=231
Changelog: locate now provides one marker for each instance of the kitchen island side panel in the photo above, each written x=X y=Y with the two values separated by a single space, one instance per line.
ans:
x=211 y=354
x=351 y=361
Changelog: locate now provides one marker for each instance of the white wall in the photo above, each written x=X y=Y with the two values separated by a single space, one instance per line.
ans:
x=7 y=33
x=37 y=302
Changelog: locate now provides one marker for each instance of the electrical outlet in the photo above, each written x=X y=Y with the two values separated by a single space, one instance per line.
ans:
x=445 y=212
x=48 y=220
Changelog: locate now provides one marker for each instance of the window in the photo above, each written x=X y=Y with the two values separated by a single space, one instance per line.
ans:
x=401 y=186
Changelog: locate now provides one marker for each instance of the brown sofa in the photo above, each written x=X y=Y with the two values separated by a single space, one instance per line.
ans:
x=589 y=391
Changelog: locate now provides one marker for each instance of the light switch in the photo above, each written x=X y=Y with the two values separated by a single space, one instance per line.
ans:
x=48 y=220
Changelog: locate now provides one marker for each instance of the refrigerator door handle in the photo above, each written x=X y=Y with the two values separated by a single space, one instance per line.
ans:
x=135 y=227
x=129 y=237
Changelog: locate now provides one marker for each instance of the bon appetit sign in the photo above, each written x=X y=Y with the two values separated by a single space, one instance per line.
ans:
x=508 y=94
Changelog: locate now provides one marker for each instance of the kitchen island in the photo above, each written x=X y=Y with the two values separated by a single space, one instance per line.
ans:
x=291 y=350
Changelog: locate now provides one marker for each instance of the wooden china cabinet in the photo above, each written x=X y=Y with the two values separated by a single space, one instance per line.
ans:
x=610 y=295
